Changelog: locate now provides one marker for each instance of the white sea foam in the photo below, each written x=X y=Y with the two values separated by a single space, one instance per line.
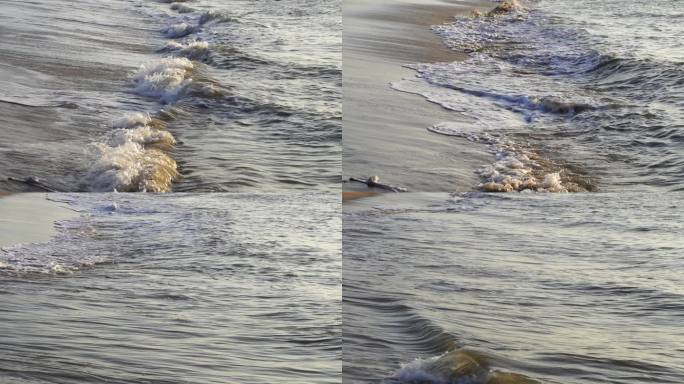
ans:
x=518 y=169
x=192 y=50
x=132 y=158
x=131 y=167
x=452 y=367
x=143 y=135
x=61 y=255
x=132 y=120
x=416 y=371
x=482 y=83
x=166 y=79
x=458 y=366
x=215 y=16
x=515 y=168
x=489 y=94
x=178 y=30
x=480 y=30
x=181 y=8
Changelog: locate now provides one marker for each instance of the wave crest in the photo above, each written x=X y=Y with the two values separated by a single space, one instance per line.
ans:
x=133 y=158
x=459 y=366
x=166 y=79
x=196 y=50
x=175 y=31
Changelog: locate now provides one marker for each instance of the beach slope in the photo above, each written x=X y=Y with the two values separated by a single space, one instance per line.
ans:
x=385 y=130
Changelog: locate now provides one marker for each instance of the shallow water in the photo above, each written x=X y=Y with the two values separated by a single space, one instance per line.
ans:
x=570 y=96
x=556 y=288
x=191 y=288
x=145 y=95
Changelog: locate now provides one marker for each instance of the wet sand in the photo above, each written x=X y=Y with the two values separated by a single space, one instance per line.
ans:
x=385 y=130
x=29 y=218
x=353 y=195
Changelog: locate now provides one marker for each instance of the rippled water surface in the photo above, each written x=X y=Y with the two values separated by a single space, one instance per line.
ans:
x=514 y=288
x=207 y=95
x=566 y=96
x=177 y=288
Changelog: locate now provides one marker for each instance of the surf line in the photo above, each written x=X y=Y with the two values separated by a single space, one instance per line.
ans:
x=136 y=155
x=459 y=365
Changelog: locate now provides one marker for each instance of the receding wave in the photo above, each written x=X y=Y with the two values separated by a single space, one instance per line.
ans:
x=505 y=7
x=61 y=255
x=517 y=167
x=482 y=78
x=175 y=31
x=608 y=103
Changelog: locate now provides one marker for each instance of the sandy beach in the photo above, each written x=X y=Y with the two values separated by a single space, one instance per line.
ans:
x=385 y=130
x=29 y=218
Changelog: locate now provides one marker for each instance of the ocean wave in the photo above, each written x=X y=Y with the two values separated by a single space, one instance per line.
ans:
x=216 y=16
x=165 y=79
x=175 y=31
x=133 y=158
x=459 y=366
x=516 y=168
x=194 y=50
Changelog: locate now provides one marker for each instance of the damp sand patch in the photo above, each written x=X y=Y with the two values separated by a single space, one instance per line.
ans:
x=29 y=218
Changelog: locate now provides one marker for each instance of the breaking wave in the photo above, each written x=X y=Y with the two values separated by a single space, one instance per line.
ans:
x=194 y=50
x=216 y=16
x=166 y=79
x=459 y=366
x=133 y=157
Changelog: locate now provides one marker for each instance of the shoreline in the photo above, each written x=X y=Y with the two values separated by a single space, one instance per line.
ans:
x=29 y=218
x=385 y=129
